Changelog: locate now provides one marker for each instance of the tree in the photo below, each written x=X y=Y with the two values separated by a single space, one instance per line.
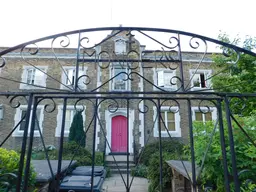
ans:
x=239 y=77
x=76 y=131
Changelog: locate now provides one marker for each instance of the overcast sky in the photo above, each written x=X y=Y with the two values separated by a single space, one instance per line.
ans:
x=24 y=20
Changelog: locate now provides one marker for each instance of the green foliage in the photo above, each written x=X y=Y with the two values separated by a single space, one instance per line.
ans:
x=239 y=77
x=171 y=146
x=108 y=172
x=99 y=158
x=140 y=171
x=213 y=166
x=154 y=171
x=38 y=153
x=9 y=165
x=7 y=181
x=76 y=132
x=70 y=149
x=80 y=154
x=171 y=149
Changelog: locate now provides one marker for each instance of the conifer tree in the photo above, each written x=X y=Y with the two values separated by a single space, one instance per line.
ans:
x=76 y=131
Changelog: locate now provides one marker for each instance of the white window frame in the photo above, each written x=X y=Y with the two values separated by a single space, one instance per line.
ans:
x=160 y=71
x=82 y=71
x=112 y=74
x=177 y=132
x=18 y=117
x=213 y=110
x=59 y=118
x=207 y=74
x=120 y=46
x=36 y=81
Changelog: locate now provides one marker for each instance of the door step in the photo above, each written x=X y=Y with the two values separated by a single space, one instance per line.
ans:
x=118 y=163
x=119 y=158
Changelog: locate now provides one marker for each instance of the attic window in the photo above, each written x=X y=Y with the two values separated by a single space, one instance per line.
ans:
x=120 y=46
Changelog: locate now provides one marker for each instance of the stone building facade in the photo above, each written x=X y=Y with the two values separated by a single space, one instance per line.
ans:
x=116 y=119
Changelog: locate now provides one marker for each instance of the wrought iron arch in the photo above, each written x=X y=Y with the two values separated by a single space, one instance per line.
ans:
x=48 y=76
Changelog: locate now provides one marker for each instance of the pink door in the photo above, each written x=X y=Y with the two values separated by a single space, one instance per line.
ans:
x=119 y=134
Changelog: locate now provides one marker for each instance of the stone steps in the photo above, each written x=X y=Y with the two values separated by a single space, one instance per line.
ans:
x=119 y=165
x=119 y=158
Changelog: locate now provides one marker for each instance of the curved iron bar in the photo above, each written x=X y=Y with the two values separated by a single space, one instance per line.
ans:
x=108 y=62
x=162 y=61
x=227 y=54
x=110 y=80
x=201 y=60
x=37 y=68
x=108 y=145
x=236 y=49
x=58 y=61
x=7 y=180
x=157 y=87
x=129 y=64
x=47 y=107
x=152 y=129
x=3 y=62
x=105 y=39
x=13 y=100
x=85 y=83
x=205 y=106
x=169 y=134
x=239 y=49
x=170 y=40
x=150 y=132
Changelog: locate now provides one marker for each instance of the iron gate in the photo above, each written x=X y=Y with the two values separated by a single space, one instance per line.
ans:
x=162 y=93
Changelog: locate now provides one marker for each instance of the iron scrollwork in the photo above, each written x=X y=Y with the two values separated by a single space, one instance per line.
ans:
x=147 y=98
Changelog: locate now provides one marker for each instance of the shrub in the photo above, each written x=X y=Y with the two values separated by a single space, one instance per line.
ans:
x=38 y=153
x=80 y=154
x=70 y=149
x=140 y=171
x=99 y=158
x=9 y=165
x=171 y=146
x=154 y=171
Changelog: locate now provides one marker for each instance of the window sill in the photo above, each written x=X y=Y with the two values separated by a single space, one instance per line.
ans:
x=201 y=89
x=32 y=87
x=158 y=88
x=65 y=135
x=165 y=134
x=22 y=134
x=69 y=87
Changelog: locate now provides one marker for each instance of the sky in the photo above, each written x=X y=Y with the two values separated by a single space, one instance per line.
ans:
x=25 y=20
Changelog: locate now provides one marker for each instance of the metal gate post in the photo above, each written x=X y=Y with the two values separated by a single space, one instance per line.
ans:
x=232 y=145
x=191 y=136
x=32 y=128
x=223 y=146
x=24 y=143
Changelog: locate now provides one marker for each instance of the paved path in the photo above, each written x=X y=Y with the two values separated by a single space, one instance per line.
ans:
x=116 y=184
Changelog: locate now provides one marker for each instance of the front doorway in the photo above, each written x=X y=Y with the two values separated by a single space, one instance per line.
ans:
x=119 y=134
